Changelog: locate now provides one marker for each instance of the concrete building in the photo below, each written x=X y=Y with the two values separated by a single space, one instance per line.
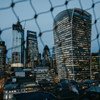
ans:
x=2 y=55
x=72 y=39
x=42 y=73
x=18 y=85
x=95 y=63
x=32 y=49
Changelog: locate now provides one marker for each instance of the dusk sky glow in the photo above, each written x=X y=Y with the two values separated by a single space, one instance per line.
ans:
x=45 y=21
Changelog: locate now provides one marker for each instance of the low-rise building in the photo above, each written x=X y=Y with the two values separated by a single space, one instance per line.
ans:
x=42 y=73
x=17 y=85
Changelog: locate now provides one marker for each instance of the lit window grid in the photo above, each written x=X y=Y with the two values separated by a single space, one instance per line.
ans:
x=69 y=43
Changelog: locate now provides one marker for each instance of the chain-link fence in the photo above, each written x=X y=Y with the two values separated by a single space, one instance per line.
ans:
x=38 y=15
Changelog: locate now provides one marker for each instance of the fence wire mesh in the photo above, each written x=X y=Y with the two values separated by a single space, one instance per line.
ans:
x=38 y=15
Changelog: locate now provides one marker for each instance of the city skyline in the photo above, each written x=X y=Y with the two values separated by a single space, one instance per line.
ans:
x=49 y=49
x=42 y=19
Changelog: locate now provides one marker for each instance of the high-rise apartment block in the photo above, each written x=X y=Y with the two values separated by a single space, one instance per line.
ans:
x=72 y=39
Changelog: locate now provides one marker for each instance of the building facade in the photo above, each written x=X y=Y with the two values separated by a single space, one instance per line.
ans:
x=32 y=49
x=46 y=56
x=18 y=44
x=53 y=58
x=95 y=63
x=2 y=55
x=72 y=39
x=42 y=73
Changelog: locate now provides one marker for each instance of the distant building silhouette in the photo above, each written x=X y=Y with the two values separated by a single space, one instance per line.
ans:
x=2 y=55
x=32 y=49
x=72 y=39
x=46 y=56
x=40 y=59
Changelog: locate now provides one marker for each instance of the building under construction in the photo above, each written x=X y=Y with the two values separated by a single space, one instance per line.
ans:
x=18 y=44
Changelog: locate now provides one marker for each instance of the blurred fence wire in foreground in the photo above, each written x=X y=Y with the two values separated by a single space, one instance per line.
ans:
x=52 y=7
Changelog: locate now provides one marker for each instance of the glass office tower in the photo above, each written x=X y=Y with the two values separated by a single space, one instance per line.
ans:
x=72 y=39
x=32 y=49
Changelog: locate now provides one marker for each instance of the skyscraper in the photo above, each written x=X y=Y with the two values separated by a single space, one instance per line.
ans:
x=72 y=39
x=32 y=49
x=2 y=55
x=18 y=43
x=46 y=56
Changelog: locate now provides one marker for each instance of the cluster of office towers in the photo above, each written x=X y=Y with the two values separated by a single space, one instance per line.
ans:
x=72 y=40
x=24 y=53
